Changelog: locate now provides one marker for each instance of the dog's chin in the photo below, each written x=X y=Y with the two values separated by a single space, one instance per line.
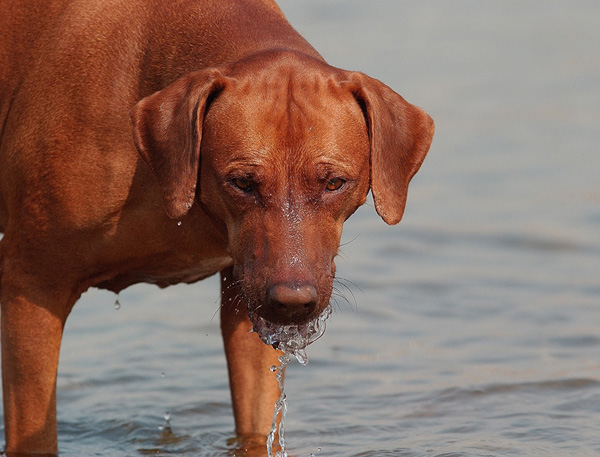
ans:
x=291 y=339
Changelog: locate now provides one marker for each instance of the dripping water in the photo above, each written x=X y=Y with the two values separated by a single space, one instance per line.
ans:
x=280 y=408
x=292 y=340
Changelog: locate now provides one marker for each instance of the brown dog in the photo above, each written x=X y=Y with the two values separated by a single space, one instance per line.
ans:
x=255 y=147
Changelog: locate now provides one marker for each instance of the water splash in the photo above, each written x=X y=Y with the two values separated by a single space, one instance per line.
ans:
x=166 y=427
x=292 y=340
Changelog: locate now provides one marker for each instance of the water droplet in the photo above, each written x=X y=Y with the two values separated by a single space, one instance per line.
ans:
x=162 y=375
x=179 y=223
x=273 y=368
x=117 y=303
x=301 y=356
x=166 y=427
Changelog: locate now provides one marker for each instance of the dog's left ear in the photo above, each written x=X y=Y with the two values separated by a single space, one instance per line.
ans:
x=400 y=136
x=167 y=129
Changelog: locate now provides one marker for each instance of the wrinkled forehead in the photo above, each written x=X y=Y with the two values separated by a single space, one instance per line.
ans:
x=307 y=115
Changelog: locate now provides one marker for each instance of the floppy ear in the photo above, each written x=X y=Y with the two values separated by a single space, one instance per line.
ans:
x=167 y=129
x=400 y=135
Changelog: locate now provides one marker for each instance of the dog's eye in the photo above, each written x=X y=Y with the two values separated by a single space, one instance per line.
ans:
x=243 y=184
x=334 y=184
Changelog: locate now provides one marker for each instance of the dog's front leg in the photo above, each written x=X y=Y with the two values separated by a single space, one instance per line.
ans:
x=254 y=389
x=32 y=324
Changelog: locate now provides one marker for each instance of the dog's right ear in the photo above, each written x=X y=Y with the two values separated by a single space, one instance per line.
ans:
x=167 y=129
x=400 y=135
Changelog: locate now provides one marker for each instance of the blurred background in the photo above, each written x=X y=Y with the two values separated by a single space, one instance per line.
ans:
x=471 y=329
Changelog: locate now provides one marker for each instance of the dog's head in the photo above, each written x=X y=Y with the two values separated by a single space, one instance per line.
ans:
x=280 y=149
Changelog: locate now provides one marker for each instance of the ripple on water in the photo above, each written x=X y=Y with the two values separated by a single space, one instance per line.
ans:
x=459 y=395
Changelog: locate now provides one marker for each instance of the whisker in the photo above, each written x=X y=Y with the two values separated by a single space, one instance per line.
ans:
x=338 y=295
x=231 y=301
x=341 y=289
x=350 y=241
x=333 y=302
x=343 y=281
x=342 y=255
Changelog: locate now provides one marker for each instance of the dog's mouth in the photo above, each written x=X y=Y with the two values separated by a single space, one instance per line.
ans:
x=291 y=339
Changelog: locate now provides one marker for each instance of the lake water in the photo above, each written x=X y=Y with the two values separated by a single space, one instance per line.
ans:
x=472 y=328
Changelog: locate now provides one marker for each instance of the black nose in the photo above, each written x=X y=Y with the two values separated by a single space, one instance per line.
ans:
x=292 y=303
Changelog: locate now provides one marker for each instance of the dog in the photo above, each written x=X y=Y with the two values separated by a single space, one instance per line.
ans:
x=164 y=142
